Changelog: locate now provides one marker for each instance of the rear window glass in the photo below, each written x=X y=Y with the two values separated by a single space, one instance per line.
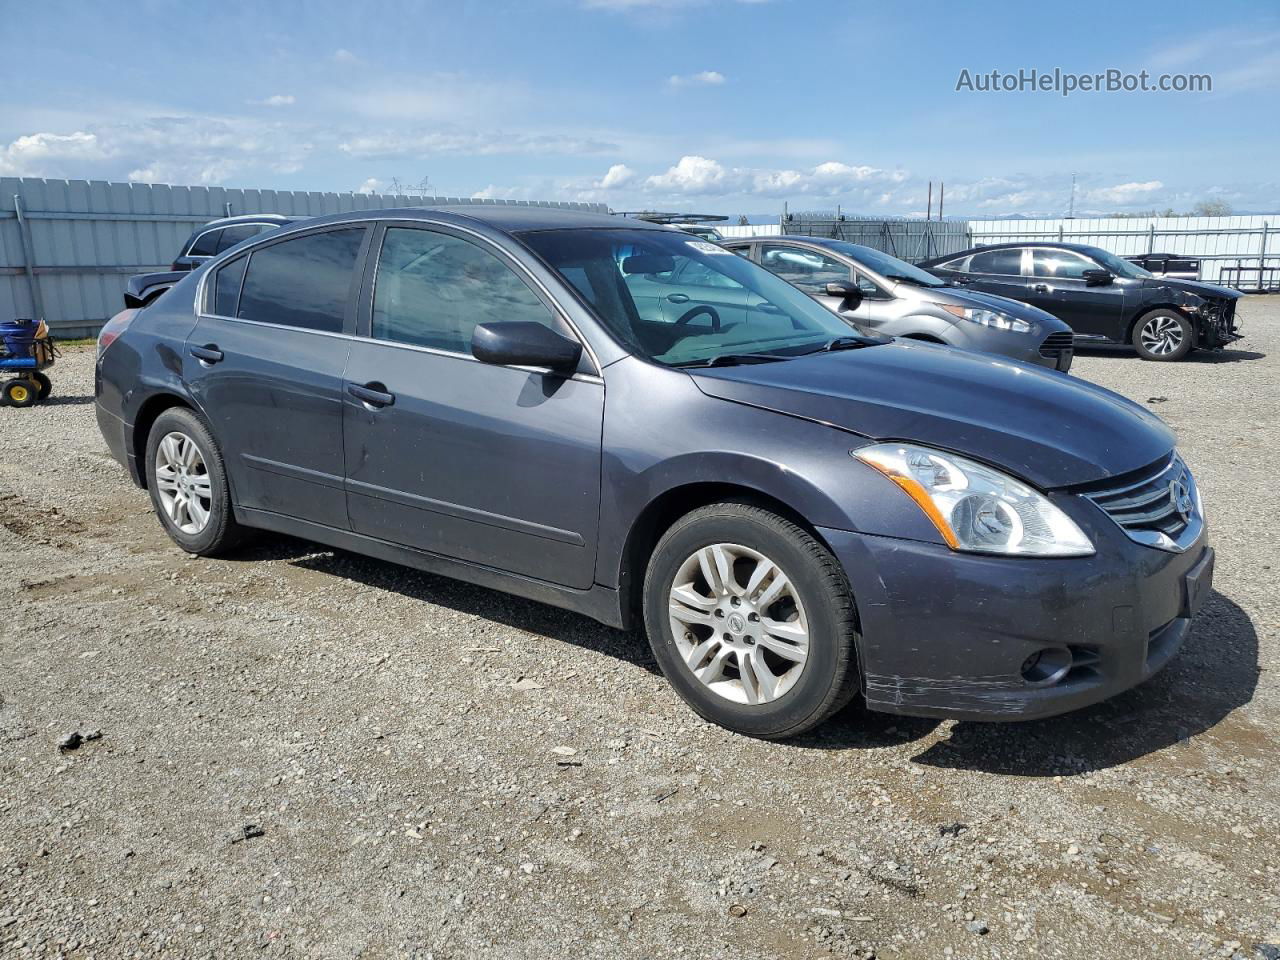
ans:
x=239 y=233
x=304 y=282
x=1008 y=262
x=205 y=245
x=226 y=287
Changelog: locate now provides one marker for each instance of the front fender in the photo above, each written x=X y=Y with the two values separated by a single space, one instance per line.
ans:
x=708 y=440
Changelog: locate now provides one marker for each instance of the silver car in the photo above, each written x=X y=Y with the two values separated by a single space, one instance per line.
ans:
x=903 y=301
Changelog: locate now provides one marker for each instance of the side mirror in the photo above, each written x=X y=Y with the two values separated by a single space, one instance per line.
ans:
x=1097 y=278
x=848 y=292
x=524 y=343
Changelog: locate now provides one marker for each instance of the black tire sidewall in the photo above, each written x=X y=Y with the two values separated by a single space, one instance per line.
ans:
x=217 y=532
x=44 y=383
x=795 y=710
x=1188 y=336
x=33 y=392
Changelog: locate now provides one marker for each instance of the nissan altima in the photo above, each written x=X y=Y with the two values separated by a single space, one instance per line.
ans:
x=794 y=512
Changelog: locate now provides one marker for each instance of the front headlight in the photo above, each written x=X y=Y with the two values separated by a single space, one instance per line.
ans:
x=977 y=508
x=988 y=318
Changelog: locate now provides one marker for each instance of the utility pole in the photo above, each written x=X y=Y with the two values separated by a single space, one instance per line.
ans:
x=942 y=192
x=928 y=214
x=1071 y=210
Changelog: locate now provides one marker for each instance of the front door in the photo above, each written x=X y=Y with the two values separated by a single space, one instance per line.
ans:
x=265 y=364
x=492 y=465
x=1058 y=285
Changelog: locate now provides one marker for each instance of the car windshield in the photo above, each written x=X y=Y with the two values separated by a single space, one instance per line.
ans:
x=1119 y=266
x=889 y=267
x=681 y=301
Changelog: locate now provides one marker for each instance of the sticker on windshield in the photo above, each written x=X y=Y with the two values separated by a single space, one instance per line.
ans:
x=703 y=247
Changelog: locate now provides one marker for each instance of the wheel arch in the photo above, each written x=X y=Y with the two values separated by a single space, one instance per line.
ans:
x=147 y=415
x=665 y=509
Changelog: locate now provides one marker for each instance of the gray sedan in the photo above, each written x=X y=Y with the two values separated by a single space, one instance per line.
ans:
x=903 y=301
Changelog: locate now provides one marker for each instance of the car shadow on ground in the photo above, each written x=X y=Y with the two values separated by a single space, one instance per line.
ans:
x=518 y=613
x=1215 y=673
x=1228 y=355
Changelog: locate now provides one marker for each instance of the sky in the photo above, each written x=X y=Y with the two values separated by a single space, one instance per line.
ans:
x=710 y=106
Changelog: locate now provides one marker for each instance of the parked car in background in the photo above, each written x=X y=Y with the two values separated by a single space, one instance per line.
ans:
x=793 y=511
x=1168 y=265
x=219 y=235
x=696 y=224
x=900 y=300
x=1104 y=299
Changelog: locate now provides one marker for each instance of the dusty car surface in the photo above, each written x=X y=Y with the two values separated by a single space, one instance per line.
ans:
x=1104 y=298
x=900 y=300
x=794 y=512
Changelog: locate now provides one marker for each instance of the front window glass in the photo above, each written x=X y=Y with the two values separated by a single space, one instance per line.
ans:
x=632 y=279
x=1059 y=264
x=807 y=269
x=433 y=288
x=304 y=282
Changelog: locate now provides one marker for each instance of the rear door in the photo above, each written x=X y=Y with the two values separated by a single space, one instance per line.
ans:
x=265 y=363
x=997 y=271
x=492 y=465
x=1058 y=285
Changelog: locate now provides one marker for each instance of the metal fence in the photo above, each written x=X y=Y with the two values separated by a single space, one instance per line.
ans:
x=68 y=246
x=907 y=239
x=1232 y=250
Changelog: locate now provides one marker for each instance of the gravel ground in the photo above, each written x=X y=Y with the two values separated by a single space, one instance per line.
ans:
x=311 y=754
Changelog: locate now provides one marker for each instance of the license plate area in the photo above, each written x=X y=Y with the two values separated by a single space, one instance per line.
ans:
x=1198 y=584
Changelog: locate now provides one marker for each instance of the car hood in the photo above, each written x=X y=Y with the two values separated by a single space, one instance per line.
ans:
x=1197 y=287
x=1048 y=428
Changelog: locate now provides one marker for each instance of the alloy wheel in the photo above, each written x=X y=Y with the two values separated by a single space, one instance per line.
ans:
x=738 y=623
x=183 y=484
x=1161 y=336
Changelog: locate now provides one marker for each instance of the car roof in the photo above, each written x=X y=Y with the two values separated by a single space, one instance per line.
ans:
x=508 y=218
x=279 y=218
x=1051 y=244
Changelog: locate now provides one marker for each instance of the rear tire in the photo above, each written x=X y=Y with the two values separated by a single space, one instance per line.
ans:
x=21 y=393
x=1163 y=335
x=45 y=384
x=188 y=484
x=768 y=650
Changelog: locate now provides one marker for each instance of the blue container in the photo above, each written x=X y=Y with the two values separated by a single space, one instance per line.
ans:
x=18 y=337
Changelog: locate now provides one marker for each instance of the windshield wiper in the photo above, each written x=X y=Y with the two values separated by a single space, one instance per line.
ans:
x=731 y=359
x=848 y=343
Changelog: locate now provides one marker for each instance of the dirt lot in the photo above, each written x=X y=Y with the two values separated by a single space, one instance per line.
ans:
x=435 y=770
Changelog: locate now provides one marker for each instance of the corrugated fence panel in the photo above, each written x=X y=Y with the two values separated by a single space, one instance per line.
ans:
x=907 y=239
x=88 y=237
x=1241 y=251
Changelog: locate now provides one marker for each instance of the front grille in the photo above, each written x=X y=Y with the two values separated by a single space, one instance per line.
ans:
x=1055 y=343
x=1158 y=499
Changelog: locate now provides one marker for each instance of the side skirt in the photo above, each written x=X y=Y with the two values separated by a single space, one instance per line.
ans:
x=598 y=602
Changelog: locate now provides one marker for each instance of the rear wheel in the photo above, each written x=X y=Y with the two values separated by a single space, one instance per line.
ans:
x=1163 y=335
x=188 y=484
x=751 y=620
x=45 y=384
x=21 y=393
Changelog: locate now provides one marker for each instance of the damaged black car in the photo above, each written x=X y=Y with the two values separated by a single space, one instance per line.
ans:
x=1103 y=298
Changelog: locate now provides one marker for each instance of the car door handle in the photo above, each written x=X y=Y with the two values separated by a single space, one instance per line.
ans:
x=962 y=281
x=677 y=298
x=1040 y=288
x=209 y=353
x=374 y=394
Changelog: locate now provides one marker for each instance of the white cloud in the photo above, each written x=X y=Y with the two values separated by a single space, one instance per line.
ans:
x=33 y=155
x=707 y=78
x=277 y=100
x=1123 y=194
x=342 y=55
x=619 y=175
x=469 y=142
x=700 y=176
x=372 y=185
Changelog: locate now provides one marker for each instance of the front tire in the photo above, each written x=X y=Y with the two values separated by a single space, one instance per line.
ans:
x=751 y=620
x=188 y=484
x=1163 y=335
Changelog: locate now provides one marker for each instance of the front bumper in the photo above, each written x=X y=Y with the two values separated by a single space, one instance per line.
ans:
x=946 y=634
